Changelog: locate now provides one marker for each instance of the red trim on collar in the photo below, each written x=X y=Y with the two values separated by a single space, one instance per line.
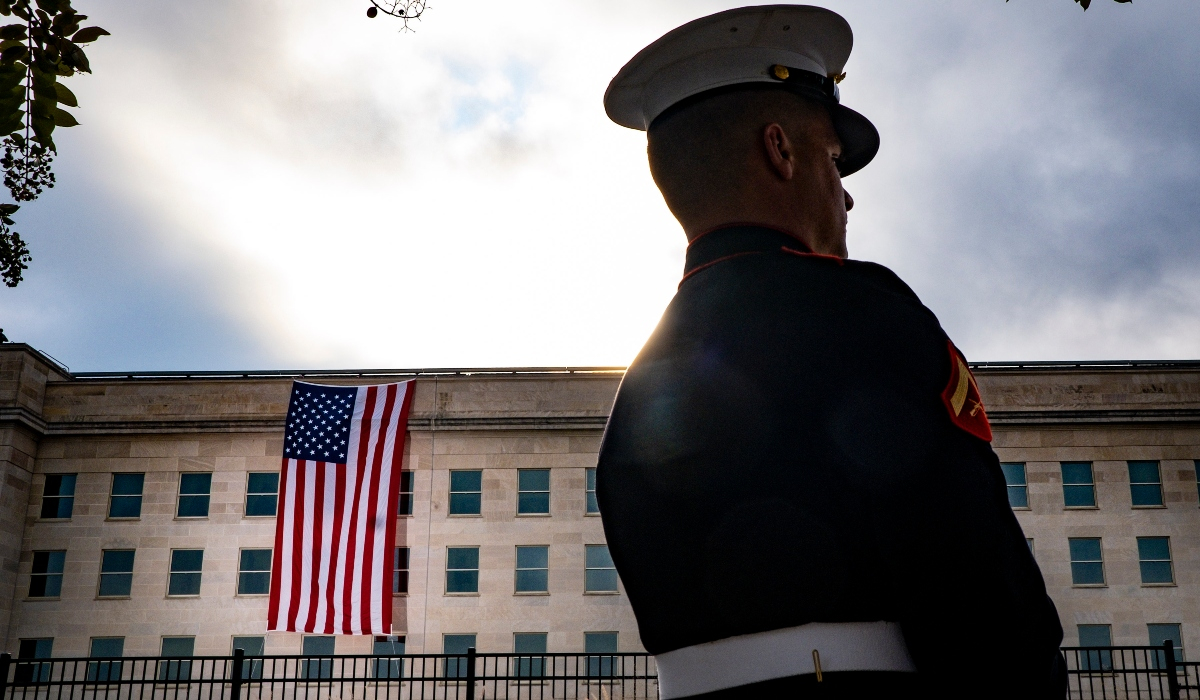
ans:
x=743 y=224
x=710 y=263
x=801 y=253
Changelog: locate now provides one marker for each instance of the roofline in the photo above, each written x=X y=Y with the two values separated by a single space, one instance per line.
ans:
x=992 y=366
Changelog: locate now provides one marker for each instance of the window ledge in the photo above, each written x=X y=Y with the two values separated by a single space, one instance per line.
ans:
x=38 y=599
x=591 y=515
x=461 y=595
x=531 y=593
x=245 y=517
x=177 y=597
x=400 y=595
x=191 y=517
x=1020 y=507
x=464 y=515
x=533 y=515
x=1160 y=585
x=122 y=520
x=53 y=520
x=1081 y=507
x=113 y=597
x=1089 y=585
x=1161 y=506
x=602 y=593
x=251 y=595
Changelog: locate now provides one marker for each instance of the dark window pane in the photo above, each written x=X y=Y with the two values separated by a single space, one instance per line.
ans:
x=533 y=480
x=1079 y=496
x=1018 y=497
x=176 y=670
x=115 y=585
x=33 y=649
x=125 y=507
x=400 y=571
x=128 y=484
x=593 y=505
x=262 y=482
x=462 y=557
x=1095 y=636
x=319 y=646
x=1084 y=548
x=601 y=580
x=1087 y=573
x=530 y=643
x=1154 y=548
x=1014 y=474
x=193 y=507
x=187 y=560
x=259 y=505
x=184 y=584
x=591 y=479
x=533 y=503
x=58 y=496
x=532 y=581
x=406 y=494
x=598 y=556
x=252 y=646
x=465 y=504
x=1160 y=633
x=456 y=667
x=48 y=562
x=195 y=483
x=254 y=583
x=117 y=561
x=317 y=668
x=1157 y=572
x=533 y=557
x=59 y=485
x=1144 y=473
x=1077 y=473
x=388 y=668
x=105 y=647
x=600 y=643
x=1146 y=494
x=255 y=560
x=466 y=481
x=462 y=581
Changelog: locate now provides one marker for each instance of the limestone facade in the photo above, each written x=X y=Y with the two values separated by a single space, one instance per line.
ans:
x=500 y=422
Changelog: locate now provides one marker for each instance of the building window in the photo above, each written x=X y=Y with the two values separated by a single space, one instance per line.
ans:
x=600 y=643
x=116 y=573
x=1087 y=563
x=406 y=494
x=262 y=494
x=456 y=667
x=45 y=581
x=533 y=565
x=186 y=565
x=1029 y=542
x=533 y=643
x=400 y=572
x=254 y=572
x=391 y=646
x=125 y=499
x=1154 y=558
x=600 y=574
x=593 y=506
x=105 y=648
x=466 y=492
x=251 y=646
x=462 y=569
x=1079 y=488
x=1145 y=484
x=533 y=492
x=194 y=491
x=1162 y=633
x=33 y=649
x=176 y=664
x=1095 y=636
x=58 y=497
x=1018 y=489
x=318 y=668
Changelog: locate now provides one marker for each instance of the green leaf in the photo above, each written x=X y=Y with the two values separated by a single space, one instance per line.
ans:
x=49 y=6
x=11 y=127
x=88 y=34
x=42 y=129
x=13 y=31
x=14 y=53
x=65 y=96
x=64 y=118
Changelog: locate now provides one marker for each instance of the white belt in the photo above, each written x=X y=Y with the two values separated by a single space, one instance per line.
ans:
x=750 y=658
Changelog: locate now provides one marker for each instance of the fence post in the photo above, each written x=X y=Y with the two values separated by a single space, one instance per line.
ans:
x=1172 y=669
x=470 y=673
x=235 y=685
x=5 y=662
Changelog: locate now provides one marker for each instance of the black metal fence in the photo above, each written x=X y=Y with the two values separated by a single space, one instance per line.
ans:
x=1101 y=673
x=470 y=676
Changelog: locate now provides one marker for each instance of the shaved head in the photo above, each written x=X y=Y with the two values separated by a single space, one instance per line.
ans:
x=764 y=156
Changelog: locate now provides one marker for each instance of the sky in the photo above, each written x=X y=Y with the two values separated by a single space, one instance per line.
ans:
x=271 y=184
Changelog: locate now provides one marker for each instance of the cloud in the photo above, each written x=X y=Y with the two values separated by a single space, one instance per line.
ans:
x=289 y=183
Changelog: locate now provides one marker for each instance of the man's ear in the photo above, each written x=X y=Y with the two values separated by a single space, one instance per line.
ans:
x=779 y=151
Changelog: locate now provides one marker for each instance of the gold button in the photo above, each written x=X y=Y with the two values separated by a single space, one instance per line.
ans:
x=780 y=72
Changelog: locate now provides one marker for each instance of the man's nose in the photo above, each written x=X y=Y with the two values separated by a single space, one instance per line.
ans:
x=849 y=200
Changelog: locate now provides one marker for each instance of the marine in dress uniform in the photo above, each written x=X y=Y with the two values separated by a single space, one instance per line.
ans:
x=796 y=480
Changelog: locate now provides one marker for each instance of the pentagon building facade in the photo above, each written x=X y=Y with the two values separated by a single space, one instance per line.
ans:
x=107 y=478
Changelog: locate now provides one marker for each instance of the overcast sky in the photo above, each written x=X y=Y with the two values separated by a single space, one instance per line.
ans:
x=289 y=184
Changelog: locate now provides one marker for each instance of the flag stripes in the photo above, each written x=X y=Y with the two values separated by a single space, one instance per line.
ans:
x=336 y=530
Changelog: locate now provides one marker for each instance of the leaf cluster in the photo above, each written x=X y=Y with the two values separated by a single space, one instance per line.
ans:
x=43 y=45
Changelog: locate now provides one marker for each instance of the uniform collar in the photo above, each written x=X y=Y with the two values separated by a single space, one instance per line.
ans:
x=727 y=242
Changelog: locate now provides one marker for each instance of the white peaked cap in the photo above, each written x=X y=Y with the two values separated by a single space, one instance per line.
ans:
x=796 y=47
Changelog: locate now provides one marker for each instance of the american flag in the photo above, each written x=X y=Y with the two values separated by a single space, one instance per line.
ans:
x=336 y=530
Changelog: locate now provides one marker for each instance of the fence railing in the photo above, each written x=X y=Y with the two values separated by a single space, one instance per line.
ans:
x=1094 y=673
x=470 y=676
x=1131 y=673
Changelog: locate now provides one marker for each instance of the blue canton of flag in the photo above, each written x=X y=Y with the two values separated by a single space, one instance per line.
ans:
x=318 y=423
